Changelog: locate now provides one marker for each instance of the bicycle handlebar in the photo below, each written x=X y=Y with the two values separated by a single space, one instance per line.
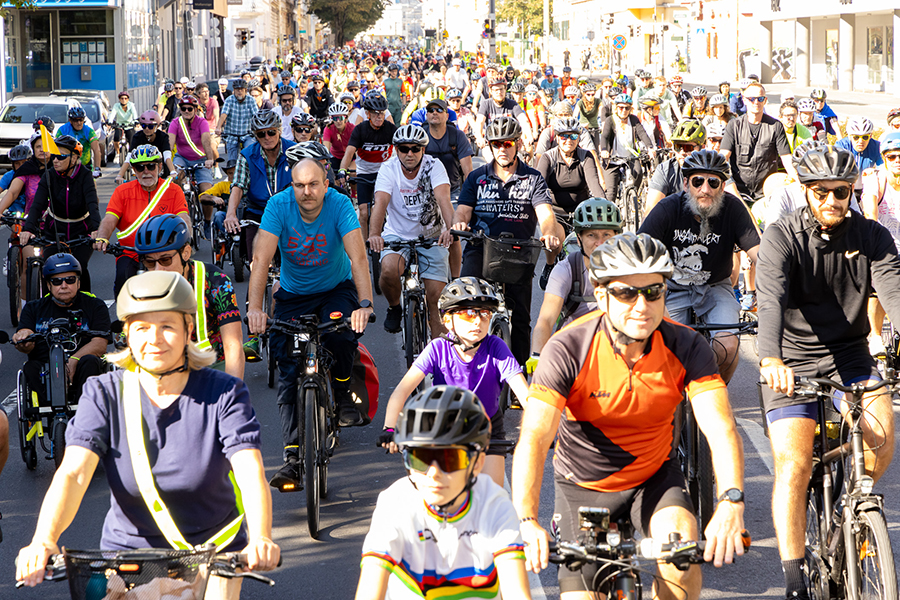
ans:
x=117 y=249
x=812 y=386
x=43 y=242
x=481 y=235
x=419 y=242
x=743 y=326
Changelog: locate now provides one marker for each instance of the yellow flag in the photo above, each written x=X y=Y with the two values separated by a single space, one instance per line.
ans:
x=47 y=141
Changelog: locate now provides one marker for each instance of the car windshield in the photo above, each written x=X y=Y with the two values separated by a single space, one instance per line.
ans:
x=92 y=111
x=27 y=113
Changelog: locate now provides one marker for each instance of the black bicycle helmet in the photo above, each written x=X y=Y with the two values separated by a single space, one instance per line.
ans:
x=597 y=213
x=69 y=143
x=76 y=112
x=49 y=125
x=169 y=87
x=265 y=119
x=375 y=102
x=303 y=120
x=705 y=161
x=238 y=84
x=61 y=263
x=465 y=292
x=161 y=233
x=503 y=128
x=629 y=254
x=826 y=163
x=444 y=415
x=20 y=152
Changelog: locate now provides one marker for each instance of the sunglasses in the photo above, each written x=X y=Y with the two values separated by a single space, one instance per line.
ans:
x=714 y=182
x=625 y=107
x=504 y=145
x=269 y=133
x=287 y=101
x=755 y=99
x=77 y=120
x=178 y=88
x=140 y=168
x=302 y=129
x=353 y=89
x=403 y=149
x=864 y=138
x=61 y=156
x=572 y=137
x=841 y=193
x=434 y=109
x=891 y=157
x=589 y=94
x=338 y=118
x=58 y=281
x=629 y=294
x=187 y=109
x=470 y=315
x=686 y=148
x=150 y=126
x=163 y=260
x=448 y=459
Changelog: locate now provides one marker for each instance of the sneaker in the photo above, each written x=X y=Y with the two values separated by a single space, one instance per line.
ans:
x=393 y=318
x=876 y=347
x=348 y=416
x=545 y=276
x=748 y=301
x=251 y=350
x=287 y=479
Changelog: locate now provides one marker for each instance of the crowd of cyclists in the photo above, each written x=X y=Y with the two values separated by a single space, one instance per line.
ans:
x=320 y=162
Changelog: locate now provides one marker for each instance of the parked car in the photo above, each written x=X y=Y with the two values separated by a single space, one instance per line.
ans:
x=86 y=93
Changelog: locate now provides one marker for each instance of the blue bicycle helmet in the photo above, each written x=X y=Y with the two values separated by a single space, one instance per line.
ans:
x=623 y=99
x=890 y=142
x=76 y=112
x=61 y=263
x=161 y=233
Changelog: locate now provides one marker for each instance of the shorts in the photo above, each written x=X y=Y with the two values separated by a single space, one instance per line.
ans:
x=365 y=188
x=856 y=364
x=718 y=306
x=202 y=175
x=498 y=433
x=233 y=146
x=665 y=488
x=434 y=262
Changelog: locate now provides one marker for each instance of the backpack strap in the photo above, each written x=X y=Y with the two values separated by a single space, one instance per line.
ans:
x=576 y=291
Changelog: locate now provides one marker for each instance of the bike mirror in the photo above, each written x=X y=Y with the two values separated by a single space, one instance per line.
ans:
x=4 y=337
x=117 y=326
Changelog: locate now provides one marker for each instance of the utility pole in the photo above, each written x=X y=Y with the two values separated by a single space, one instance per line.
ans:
x=492 y=36
x=545 y=50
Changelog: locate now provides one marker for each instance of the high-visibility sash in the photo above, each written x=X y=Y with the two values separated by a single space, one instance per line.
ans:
x=146 y=214
x=187 y=136
x=203 y=342
x=134 y=432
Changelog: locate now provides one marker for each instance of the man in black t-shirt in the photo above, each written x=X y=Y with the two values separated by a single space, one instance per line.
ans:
x=79 y=310
x=700 y=226
x=499 y=104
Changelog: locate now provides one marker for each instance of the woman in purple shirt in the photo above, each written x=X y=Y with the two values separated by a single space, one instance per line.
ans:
x=196 y=426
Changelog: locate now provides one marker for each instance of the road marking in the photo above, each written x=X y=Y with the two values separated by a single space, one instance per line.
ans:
x=9 y=403
x=760 y=442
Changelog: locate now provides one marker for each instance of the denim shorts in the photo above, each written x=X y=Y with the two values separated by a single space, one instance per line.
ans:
x=725 y=307
x=434 y=262
x=233 y=145
x=200 y=175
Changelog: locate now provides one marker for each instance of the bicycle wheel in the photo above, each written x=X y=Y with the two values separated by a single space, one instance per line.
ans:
x=13 y=258
x=33 y=281
x=698 y=464
x=877 y=574
x=410 y=330
x=27 y=446
x=816 y=571
x=633 y=217
x=375 y=259
x=58 y=440
x=323 y=423
x=238 y=261
x=310 y=460
x=196 y=219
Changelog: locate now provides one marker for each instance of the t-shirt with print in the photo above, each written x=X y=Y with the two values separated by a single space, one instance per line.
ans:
x=413 y=209
x=196 y=129
x=706 y=260
x=220 y=303
x=560 y=285
x=87 y=312
x=491 y=367
x=85 y=135
x=491 y=109
x=313 y=258
x=617 y=430
x=888 y=201
x=551 y=88
x=373 y=146
x=339 y=140
x=430 y=556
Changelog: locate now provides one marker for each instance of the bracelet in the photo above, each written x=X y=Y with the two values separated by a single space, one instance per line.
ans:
x=528 y=519
x=100 y=239
x=75 y=358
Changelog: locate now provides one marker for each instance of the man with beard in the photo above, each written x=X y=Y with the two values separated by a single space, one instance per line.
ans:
x=817 y=267
x=700 y=226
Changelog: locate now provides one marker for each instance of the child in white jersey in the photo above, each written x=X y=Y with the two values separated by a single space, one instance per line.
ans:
x=443 y=531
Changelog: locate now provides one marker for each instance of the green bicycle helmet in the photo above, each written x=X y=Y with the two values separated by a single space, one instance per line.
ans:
x=690 y=131
x=145 y=153
x=597 y=213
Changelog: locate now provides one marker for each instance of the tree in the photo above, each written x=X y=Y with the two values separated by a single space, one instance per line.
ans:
x=527 y=15
x=347 y=17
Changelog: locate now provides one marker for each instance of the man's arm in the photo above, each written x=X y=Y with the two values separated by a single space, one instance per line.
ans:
x=97 y=346
x=106 y=229
x=376 y=220
x=233 y=348
x=95 y=153
x=772 y=287
x=466 y=164
x=788 y=163
x=359 y=269
x=551 y=231
x=207 y=149
x=263 y=250
x=462 y=216
x=442 y=195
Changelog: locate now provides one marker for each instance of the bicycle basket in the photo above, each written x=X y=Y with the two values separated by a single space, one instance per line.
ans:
x=138 y=574
x=507 y=260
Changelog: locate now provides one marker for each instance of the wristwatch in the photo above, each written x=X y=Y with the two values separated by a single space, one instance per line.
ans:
x=733 y=495
x=365 y=304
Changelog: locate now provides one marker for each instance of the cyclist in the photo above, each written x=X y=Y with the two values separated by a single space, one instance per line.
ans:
x=622 y=136
x=124 y=117
x=807 y=110
x=190 y=135
x=133 y=203
x=570 y=172
x=303 y=128
x=796 y=132
x=737 y=104
x=698 y=108
x=18 y=156
x=65 y=300
x=570 y=96
x=465 y=118
x=319 y=97
x=336 y=136
x=412 y=199
x=817 y=268
x=701 y=226
x=570 y=294
x=720 y=112
x=824 y=113
x=893 y=119
x=209 y=109
x=190 y=483
x=657 y=129
x=682 y=97
x=591 y=113
x=286 y=109
x=372 y=140
x=551 y=87
x=508 y=196
x=85 y=135
x=393 y=90
x=234 y=121
x=222 y=93
x=150 y=134
x=323 y=270
x=444 y=435
x=865 y=150
x=620 y=373
x=497 y=105
x=65 y=205
x=667 y=179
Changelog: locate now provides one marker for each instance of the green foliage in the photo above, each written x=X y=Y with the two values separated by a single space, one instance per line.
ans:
x=24 y=4
x=524 y=13
x=347 y=17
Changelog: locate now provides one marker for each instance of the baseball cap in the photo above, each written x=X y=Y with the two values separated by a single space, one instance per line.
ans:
x=439 y=102
x=184 y=80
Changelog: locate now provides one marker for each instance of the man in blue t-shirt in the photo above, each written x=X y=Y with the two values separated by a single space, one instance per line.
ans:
x=865 y=149
x=550 y=85
x=323 y=270
x=89 y=138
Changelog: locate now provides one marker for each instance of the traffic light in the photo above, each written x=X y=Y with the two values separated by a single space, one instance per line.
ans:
x=242 y=41
x=251 y=35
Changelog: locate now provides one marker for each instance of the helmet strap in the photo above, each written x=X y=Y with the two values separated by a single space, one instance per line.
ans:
x=454 y=339
x=444 y=509
x=415 y=168
x=160 y=374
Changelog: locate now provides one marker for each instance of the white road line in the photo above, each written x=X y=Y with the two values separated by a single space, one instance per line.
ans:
x=760 y=442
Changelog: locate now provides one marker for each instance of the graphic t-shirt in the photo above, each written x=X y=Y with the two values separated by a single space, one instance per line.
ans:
x=373 y=146
x=86 y=135
x=701 y=260
x=339 y=140
x=413 y=210
x=220 y=304
x=86 y=312
x=492 y=365
x=433 y=557
x=313 y=258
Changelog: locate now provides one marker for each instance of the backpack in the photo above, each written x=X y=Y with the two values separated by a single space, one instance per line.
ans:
x=576 y=291
x=364 y=386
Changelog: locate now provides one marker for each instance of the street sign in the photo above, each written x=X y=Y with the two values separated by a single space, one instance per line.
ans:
x=446 y=34
x=619 y=42
x=203 y=4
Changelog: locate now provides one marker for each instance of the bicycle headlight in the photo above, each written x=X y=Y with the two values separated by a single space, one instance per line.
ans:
x=310 y=367
x=412 y=283
x=613 y=538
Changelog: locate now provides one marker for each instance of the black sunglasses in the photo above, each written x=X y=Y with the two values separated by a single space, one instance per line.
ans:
x=302 y=129
x=163 y=260
x=146 y=126
x=841 y=193
x=651 y=293
x=187 y=109
x=140 y=168
x=434 y=109
x=61 y=156
x=269 y=133
x=714 y=182
x=403 y=149
x=58 y=281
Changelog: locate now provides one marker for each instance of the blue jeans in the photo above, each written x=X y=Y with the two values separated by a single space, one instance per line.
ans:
x=234 y=144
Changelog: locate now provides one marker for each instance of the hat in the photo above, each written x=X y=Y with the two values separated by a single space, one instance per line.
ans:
x=456 y=61
x=548 y=72
x=184 y=80
x=223 y=81
x=439 y=102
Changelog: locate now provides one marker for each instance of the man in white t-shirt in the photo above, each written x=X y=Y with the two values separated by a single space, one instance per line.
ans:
x=412 y=199
x=287 y=109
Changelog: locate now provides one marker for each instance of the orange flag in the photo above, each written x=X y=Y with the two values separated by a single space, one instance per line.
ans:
x=47 y=141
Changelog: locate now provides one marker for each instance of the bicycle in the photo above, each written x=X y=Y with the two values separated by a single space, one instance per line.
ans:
x=34 y=279
x=629 y=197
x=35 y=420
x=238 y=250
x=15 y=266
x=221 y=242
x=848 y=551
x=122 y=154
x=192 y=197
x=316 y=413
x=412 y=299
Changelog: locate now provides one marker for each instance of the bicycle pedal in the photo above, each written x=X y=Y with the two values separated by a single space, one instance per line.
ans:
x=287 y=488
x=514 y=404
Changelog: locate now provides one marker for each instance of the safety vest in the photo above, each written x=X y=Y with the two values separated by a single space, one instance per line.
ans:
x=200 y=293
x=134 y=432
x=146 y=214
x=187 y=137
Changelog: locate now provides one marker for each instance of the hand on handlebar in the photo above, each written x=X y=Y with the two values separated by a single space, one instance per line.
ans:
x=445 y=239
x=32 y=562
x=551 y=242
x=262 y=554
x=232 y=224
x=460 y=227
x=376 y=243
x=359 y=318
x=723 y=534
x=778 y=376
x=537 y=546
x=256 y=321
x=25 y=237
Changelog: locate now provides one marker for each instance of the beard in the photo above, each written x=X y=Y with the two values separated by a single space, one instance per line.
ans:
x=826 y=221
x=712 y=206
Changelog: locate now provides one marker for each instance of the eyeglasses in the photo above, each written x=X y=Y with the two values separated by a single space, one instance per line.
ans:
x=434 y=109
x=857 y=138
x=685 y=148
x=572 y=137
x=448 y=459
x=470 y=315
x=140 y=168
x=146 y=126
x=891 y=157
x=61 y=156
x=338 y=118
x=187 y=109
x=302 y=129
x=81 y=120
x=755 y=99
x=504 y=145
x=162 y=260
x=714 y=182
x=269 y=133
x=58 y=281
x=841 y=193
x=629 y=294
x=403 y=149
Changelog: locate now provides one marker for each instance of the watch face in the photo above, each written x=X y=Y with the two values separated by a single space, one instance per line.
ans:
x=365 y=304
x=734 y=495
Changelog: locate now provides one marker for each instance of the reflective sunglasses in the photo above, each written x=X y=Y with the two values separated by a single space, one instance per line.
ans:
x=841 y=193
x=892 y=157
x=338 y=118
x=629 y=294
x=269 y=133
x=448 y=459
x=61 y=156
x=302 y=129
x=504 y=145
x=434 y=109
x=404 y=149
x=471 y=315
x=150 y=126
x=572 y=137
x=755 y=99
x=686 y=148
x=864 y=138
x=140 y=168
x=714 y=182
x=58 y=281
x=163 y=260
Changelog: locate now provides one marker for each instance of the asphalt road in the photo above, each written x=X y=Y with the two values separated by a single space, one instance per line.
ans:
x=328 y=568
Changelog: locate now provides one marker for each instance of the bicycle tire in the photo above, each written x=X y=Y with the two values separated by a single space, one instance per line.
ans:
x=697 y=466
x=33 y=281
x=323 y=439
x=630 y=203
x=637 y=208
x=237 y=261
x=376 y=272
x=271 y=362
x=196 y=219
x=410 y=326
x=310 y=461
x=13 y=258
x=500 y=328
x=816 y=571
x=220 y=249
x=877 y=575
x=27 y=447
x=59 y=440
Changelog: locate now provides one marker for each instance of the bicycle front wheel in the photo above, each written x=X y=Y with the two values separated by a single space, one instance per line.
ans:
x=414 y=335
x=33 y=281
x=877 y=574
x=311 y=446
x=816 y=571
x=632 y=216
x=13 y=262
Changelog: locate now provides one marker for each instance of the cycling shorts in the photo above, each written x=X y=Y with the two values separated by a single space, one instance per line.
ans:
x=718 y=306
x=434 y=262
x=664 y=489
x=365 y=188
x=498 y=433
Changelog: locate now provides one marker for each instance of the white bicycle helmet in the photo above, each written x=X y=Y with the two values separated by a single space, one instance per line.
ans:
x=410 y=134
x=806 y=105
x=860 y=126
x=338 y=109
x=629 y=254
